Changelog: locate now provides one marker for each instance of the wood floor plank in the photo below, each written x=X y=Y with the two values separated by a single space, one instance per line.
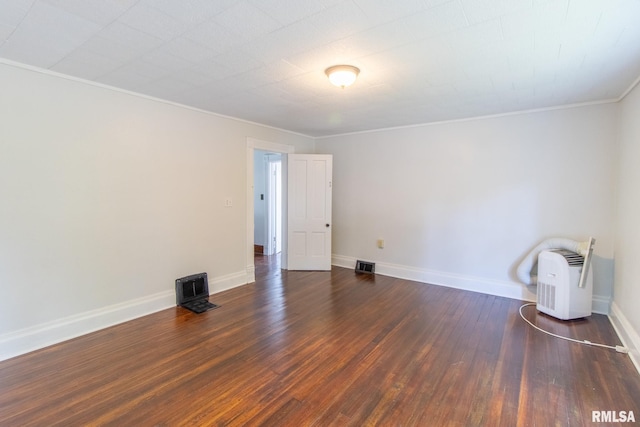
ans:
x=326 y=349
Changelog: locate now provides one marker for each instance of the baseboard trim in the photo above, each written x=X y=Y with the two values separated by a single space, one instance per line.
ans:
x=601 y=304
x=627 y=334
x=230 y=281
x=250 y=274
x=505 y=289
x=26 y=340
x=467 y=283
x=50 y=333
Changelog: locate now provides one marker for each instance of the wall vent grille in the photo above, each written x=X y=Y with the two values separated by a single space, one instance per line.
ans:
x=365 y=267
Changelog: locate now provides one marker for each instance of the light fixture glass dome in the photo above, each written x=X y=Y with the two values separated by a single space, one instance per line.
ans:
x=342 y=75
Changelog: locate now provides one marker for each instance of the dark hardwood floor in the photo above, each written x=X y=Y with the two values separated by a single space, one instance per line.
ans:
x=326 y=349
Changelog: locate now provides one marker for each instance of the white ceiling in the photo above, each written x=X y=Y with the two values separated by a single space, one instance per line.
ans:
x=263 y=60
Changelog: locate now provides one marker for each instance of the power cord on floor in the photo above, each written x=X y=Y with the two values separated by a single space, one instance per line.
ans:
x=618 y=348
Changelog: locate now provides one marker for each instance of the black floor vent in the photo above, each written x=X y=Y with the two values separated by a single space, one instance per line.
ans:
x=365 y=267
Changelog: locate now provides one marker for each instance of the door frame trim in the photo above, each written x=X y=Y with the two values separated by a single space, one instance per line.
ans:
x=271 y=207
x=258 y=144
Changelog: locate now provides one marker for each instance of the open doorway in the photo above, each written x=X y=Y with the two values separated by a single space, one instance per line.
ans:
x=284 y=150
x=267 y=203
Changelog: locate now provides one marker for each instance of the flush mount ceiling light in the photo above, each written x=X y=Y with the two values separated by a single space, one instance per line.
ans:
x=342 y=75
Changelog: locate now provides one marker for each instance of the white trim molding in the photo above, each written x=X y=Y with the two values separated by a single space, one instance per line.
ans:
x=48 y=72
x=49 y=333
x=505 y=289
x=43 y=335
x=251 y=273
x=628 y=335
x=457 y=281
x=276 y=147
x=601 y=304
x=230 y=281
x=284 y=149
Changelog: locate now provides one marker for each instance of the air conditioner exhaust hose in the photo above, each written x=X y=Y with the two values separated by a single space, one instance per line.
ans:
x=525 y=270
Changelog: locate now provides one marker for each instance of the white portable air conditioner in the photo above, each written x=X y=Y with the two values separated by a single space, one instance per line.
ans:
x=565 y=283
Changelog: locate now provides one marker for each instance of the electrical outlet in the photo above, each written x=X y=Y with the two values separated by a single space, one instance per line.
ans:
x=228 y=202
x=381 y=243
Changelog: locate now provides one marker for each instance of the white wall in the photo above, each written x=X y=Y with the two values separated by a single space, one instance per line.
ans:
x=461 y=203
x=627 y=237
x=106 y=198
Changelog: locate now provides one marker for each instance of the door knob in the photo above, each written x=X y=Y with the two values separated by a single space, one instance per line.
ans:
x=326 y=225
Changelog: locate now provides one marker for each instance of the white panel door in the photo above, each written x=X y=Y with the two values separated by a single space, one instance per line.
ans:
x=309 y=214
